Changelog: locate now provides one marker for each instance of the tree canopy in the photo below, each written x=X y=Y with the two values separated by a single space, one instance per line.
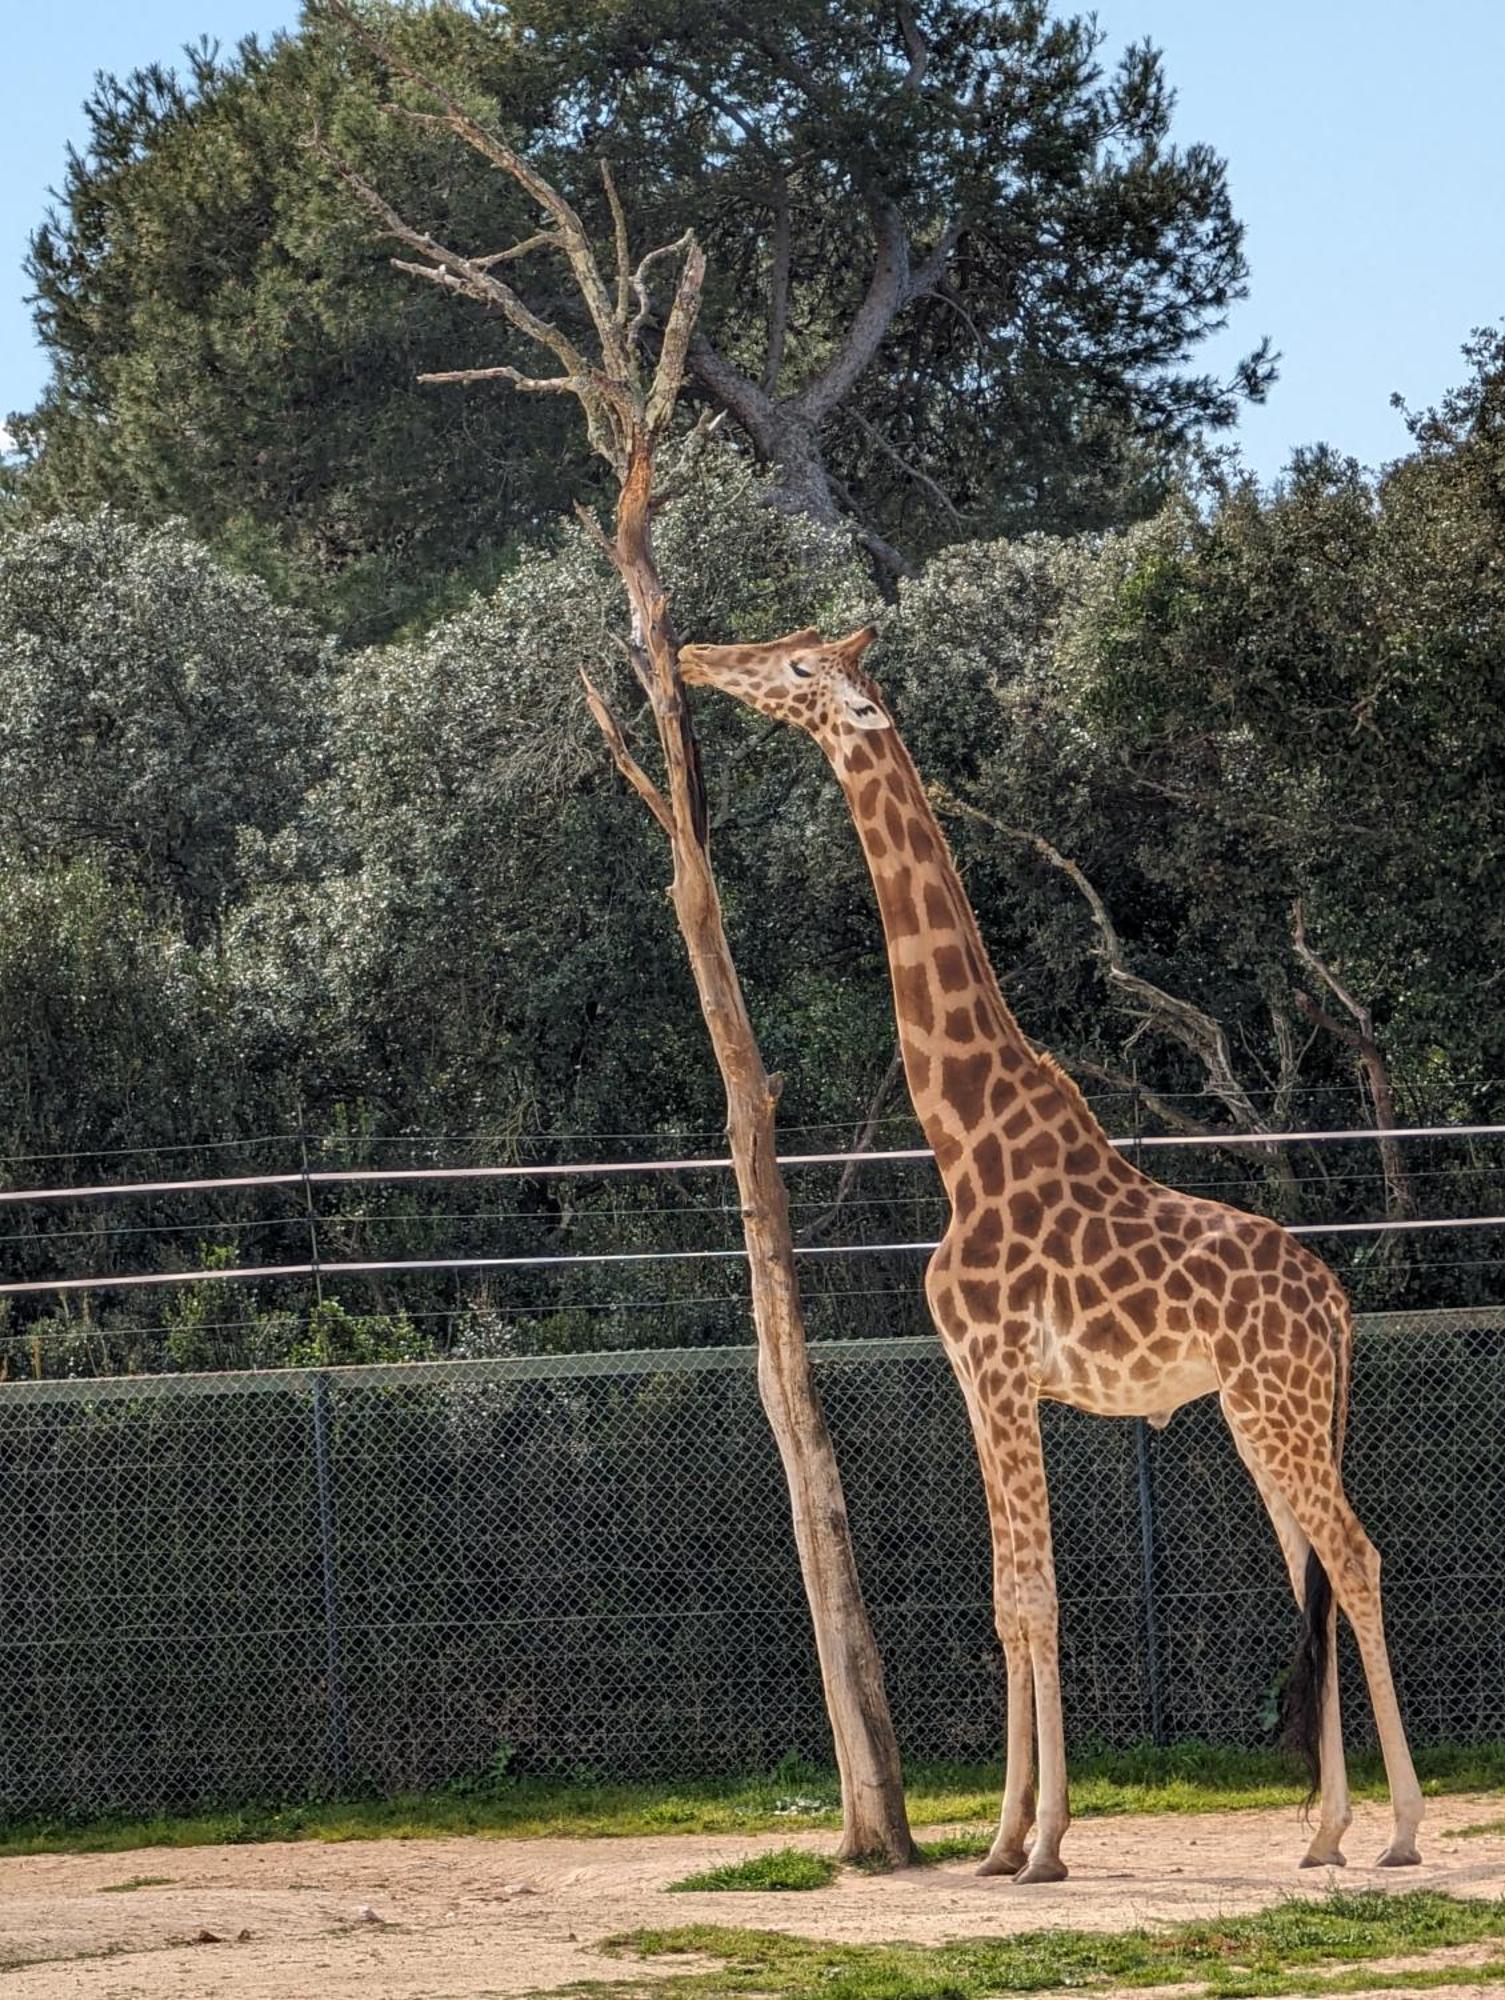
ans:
x=957 y=273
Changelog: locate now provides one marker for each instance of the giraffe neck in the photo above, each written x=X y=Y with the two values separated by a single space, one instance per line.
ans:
x=975 y=1078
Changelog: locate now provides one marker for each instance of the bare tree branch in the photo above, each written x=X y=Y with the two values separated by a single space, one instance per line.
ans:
x=914 y=45
x=1195 y=1029
x=921 y=478
x=668 y=377
x=619 y=240
x=779 y=269
x=540 y=385
x=862 y=1141
x=622 y=757
x=1400 y=1197
x=492 y=146
x=1164 y=1109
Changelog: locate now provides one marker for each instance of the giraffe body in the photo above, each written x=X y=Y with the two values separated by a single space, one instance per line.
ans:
x=1067 y=1275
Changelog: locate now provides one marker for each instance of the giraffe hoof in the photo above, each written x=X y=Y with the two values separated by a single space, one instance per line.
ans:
x=1400 y=1854
x=1042 y=1871
x=1333 y=1858
x=1007 y=1861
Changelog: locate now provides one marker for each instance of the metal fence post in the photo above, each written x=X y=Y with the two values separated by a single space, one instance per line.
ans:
x=1147 y=1569
x=1147 y=1513
x=334 y=1665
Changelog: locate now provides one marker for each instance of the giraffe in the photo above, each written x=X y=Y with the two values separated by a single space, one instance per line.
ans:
x=1067 y=1275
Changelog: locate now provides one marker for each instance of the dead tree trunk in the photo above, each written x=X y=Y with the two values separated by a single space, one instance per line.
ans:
x=628 y=415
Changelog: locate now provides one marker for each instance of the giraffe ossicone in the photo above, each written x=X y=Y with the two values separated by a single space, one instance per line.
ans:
x=1067 y=1275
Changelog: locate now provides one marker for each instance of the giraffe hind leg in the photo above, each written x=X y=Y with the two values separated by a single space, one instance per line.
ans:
x=1335 y=1813
x=1297 y=1455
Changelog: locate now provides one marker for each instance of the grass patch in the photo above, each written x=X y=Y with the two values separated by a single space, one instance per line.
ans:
x=783 y=1868
x=1297 y=1947
x=1185 y=1778
x=136 y=1882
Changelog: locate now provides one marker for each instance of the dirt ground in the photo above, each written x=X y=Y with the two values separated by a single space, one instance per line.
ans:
x=461 y=1919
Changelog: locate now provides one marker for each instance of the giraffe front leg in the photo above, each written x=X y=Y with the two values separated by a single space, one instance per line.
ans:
x=1035 y=1584
x=1009 y=1852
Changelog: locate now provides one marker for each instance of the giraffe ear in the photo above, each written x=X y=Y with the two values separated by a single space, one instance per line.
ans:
x=857 y=707
x=855 y=644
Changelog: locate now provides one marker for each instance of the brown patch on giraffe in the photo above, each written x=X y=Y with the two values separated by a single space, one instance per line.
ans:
x=1103 y=1334
x=1178 y=1286
x=1209 y=1274
x=1142 y=1307
x=1096 y=1242
x=981 y=1243
x=1151 y=1260
x=964 y=1082
x=1017 y=1254
x=939 y=913
x=980 y=1296
x=1036 y=1154
x=950 y=968
x=1011 y=1059
x=867 y=798
x=987 y=1158
x=1267 y=1248
x=912 y=992
x=1232 y=1252
x=958 y=1026
x=893 y=822
x=1056 y=1245
x=963 y=1197
x=1127 y=1234
x=1080 y=1160
x=1060 y=1295
x=902 y=918
x=917 y=1069
x=858 y=759
x=1017 y=1123
x=1025 y=1212
x=921 y=841
x=983 y=1013
x=1088 y=1291
x=1027 y=1292
x=1118 y=1274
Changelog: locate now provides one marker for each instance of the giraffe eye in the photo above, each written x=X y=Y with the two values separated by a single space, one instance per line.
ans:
x=802 y=668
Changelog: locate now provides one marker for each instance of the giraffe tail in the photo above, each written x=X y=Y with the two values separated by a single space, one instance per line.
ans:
x=1306 y=1679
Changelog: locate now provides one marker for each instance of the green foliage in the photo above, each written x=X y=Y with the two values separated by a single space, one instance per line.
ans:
x=153 y=707
x=256 y=886
x=779 y=1868
x=1188 y=1778
x=1272 y=1951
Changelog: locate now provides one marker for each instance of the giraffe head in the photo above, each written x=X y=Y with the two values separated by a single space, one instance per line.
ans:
x=817 y=684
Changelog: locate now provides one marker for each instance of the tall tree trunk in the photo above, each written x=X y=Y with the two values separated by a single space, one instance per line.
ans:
x=874 y=1821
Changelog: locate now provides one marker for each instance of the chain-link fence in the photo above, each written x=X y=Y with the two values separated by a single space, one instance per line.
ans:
x=236 y=1587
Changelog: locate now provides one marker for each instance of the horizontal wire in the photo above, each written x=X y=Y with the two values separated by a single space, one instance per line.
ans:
x=555 y=1170
x=240 y=1274
x=583 y=1216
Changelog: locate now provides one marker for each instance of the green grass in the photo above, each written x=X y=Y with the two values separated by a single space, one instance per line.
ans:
x=1187 y=1778
x=782 y=1868
x=1297 y=1947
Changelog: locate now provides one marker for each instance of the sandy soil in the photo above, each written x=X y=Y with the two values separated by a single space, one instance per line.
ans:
x=461 y=1919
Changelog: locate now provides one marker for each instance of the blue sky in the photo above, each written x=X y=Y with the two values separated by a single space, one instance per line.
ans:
x=1366 y=154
